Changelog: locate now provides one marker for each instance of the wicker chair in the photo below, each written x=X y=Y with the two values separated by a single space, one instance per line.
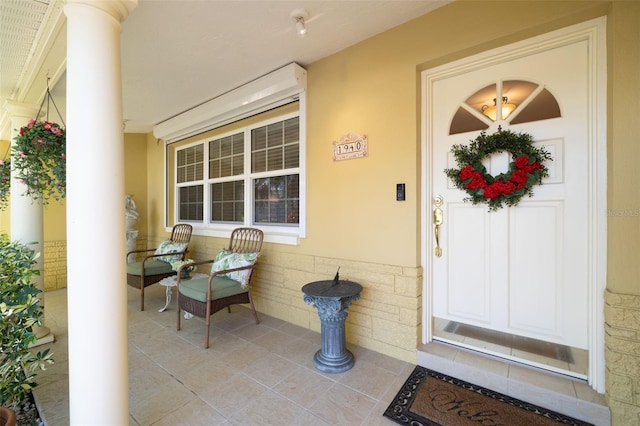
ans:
x=205 y=296
x=152 y=270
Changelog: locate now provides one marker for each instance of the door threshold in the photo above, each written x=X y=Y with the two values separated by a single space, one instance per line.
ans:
x=513 y=359
x=558 y=392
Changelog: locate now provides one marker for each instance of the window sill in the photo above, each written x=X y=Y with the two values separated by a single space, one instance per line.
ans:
x=276 y=236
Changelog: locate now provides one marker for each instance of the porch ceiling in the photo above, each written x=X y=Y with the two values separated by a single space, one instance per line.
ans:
x=178 y=54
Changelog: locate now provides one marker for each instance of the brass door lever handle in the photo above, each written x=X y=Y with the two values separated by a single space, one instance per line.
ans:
x=437 y=222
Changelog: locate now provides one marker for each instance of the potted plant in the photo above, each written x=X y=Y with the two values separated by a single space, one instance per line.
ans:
x=7 y=417
x=19 y=312
x=39 y=158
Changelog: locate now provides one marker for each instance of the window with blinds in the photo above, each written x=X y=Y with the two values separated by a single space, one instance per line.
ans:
x=190 y=164
x=252 y=176
x=189 y=169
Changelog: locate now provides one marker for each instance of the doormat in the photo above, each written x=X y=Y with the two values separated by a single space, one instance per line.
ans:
x=434 y=399
x=532 y=346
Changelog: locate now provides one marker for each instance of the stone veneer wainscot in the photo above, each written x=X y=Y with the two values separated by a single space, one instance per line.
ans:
x=622 y=353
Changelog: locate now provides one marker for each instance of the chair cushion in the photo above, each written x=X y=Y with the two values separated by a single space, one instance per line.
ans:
x=196 y=288
x=167 y=247
x=226 y=259
x=151 y=267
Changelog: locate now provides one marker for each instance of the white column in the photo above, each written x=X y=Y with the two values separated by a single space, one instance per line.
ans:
x=96 y=287
x=26 y=215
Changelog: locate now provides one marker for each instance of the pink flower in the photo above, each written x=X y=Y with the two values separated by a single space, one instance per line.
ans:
x=31 y=123
x=1 y=162
x=64 y=156
x=56 y=131
x=41 y=140
x=47 y=125
x=22 y=154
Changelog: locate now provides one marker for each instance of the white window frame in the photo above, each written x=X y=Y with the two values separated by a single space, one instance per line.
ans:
x=273 y=233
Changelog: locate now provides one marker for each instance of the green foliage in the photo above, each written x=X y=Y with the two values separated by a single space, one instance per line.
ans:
x=40 y=160
x=525 y=170
x=5 y=182
x=19 y=312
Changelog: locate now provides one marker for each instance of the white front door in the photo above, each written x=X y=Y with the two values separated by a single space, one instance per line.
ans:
x=536 y=269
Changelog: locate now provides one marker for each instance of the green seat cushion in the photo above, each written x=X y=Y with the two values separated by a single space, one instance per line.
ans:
x=151 y=267
x=196 y=288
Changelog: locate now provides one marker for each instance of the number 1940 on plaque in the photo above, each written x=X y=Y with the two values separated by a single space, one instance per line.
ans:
x=350 y=145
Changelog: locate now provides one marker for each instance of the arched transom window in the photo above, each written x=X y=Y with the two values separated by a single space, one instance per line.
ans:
x=509 y=101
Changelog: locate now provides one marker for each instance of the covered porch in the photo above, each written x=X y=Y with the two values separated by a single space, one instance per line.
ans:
x=264 y=374
x=251 y=374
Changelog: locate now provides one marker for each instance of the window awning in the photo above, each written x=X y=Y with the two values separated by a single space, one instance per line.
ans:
x=269 y=91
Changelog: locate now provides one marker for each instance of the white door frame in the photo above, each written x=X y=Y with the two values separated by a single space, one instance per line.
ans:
x=594 y=33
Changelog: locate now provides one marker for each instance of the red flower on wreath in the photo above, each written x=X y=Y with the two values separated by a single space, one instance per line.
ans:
x=522 y=161
x=498 y=188
x=517 y=180
x=530 y=168
x=466 y=172
x=477 y=181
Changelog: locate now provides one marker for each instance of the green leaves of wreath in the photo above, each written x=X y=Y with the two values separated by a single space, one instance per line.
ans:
x=506 y=189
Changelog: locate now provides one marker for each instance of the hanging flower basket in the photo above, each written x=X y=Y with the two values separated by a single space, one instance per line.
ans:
x=39 y=158
x=506 y=189
x=5 y=182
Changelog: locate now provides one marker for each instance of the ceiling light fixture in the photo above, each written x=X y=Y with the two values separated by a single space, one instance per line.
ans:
x=490 y=111
x=300 y=16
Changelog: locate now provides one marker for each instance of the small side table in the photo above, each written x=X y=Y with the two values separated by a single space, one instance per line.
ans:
x=170 y=283
x=332 y=299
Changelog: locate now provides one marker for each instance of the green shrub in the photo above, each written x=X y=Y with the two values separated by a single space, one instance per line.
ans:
x=19 y=312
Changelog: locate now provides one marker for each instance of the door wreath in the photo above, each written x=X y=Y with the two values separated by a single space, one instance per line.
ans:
x=525 y=170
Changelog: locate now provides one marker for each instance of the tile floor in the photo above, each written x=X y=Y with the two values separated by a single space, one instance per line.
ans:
x=264 y=374
x=251 y=374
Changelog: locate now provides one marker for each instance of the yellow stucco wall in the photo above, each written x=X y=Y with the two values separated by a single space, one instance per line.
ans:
x=624 y=148
x=155 y=187
x=135 y=178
